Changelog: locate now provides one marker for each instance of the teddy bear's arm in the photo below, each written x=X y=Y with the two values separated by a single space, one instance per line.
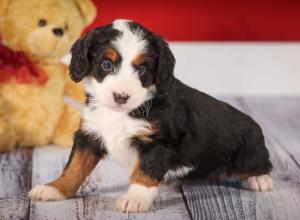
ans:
x=70 y=119
x=7 y=131
x=72 y=89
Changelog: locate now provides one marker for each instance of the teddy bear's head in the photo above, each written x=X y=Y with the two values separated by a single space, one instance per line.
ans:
x=44 y=28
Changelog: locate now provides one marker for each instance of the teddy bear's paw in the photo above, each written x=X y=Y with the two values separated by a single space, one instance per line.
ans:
x=8 y=138
x=136 y=199
x=258 y=183
x=45 y=193
x=6 y=147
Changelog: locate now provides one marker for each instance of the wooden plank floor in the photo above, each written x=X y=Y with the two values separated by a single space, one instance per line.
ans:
x=96 y=198
x=15 y=181
x=280 y=120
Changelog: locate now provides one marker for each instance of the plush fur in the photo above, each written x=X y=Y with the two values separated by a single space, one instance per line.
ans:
x=160 y=129
x=32 y=114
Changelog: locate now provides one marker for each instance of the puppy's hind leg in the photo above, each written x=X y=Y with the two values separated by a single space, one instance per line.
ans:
x=258 y=183
x=253 y=164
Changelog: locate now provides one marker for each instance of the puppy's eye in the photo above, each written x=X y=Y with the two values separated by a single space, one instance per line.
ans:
x=42 y=22
x=141 y=70
x=107 y=65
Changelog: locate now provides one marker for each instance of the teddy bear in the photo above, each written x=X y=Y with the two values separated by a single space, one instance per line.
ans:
x=39 y=104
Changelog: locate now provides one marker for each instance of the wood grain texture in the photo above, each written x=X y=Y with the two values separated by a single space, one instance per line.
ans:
x=280 y=121
x=12 y=209
x=15 y=181
x=225 y=200
x=96 y=197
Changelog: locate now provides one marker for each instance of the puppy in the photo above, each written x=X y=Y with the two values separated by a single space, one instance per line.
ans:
x=151 y=123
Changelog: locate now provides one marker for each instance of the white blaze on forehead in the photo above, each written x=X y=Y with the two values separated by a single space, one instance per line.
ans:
x=130 y=43
x=121 y=24
x=125 y=79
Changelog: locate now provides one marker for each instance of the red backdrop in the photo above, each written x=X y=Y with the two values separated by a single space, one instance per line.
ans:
x=209 y=20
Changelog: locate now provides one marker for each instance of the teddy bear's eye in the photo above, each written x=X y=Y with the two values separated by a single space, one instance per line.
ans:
x=42 y=22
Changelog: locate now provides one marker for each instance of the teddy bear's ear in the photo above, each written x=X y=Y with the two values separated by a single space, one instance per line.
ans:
x=87 y=10
x=4 y=4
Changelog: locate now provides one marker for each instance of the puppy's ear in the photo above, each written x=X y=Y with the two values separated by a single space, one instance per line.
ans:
x=85 y=50
x=165 y=68
x=80 y=63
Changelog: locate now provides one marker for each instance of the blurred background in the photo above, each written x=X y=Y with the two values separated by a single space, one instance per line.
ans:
x=231 y=47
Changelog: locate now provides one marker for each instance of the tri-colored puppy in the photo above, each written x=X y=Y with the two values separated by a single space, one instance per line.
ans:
x=150 y=122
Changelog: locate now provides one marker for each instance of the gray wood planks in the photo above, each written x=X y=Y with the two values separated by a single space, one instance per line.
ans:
x=15 y=181
x=96 y=198
x=216 y=201
x=280 y=120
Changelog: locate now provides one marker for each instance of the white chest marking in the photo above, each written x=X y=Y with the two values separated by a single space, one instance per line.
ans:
x=116 y=130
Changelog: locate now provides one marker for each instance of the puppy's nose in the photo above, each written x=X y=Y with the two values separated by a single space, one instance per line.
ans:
x=120 y=98
x=58 y=32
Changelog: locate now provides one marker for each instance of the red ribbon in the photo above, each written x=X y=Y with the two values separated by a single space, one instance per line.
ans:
x=16 y=65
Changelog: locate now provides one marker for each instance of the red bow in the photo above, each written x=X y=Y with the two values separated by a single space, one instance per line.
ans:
x=17 y=65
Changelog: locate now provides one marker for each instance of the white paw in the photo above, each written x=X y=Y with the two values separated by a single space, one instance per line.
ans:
x=129 y=203
x=258 y=183
x=137 y=199
x=45 y=193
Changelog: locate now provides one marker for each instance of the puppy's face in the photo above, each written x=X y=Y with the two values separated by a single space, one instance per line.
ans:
x=123 y=64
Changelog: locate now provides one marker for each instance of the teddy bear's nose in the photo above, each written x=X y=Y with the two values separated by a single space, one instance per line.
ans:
x=58 y=32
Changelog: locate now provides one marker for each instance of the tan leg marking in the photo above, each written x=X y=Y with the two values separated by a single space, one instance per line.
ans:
x=80 y=166
x=139 y=177
x=74 y=175
x=141 y=193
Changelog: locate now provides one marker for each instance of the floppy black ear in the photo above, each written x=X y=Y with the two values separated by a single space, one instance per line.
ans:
x=85 y=49
x=80 y=64
x=165 y=68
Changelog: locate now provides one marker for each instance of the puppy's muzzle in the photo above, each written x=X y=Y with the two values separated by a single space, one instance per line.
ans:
x=120 y=98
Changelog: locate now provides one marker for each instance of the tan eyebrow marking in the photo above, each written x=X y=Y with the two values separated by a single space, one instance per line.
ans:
x=112 y=54
x=139 y=59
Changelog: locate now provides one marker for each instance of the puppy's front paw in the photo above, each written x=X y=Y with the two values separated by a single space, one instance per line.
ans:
x=45 y=193
x=138 y=199
x=132 y=203
x=258 y=183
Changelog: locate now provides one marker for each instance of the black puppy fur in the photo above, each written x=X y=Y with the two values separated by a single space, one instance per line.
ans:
x=192 y=128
